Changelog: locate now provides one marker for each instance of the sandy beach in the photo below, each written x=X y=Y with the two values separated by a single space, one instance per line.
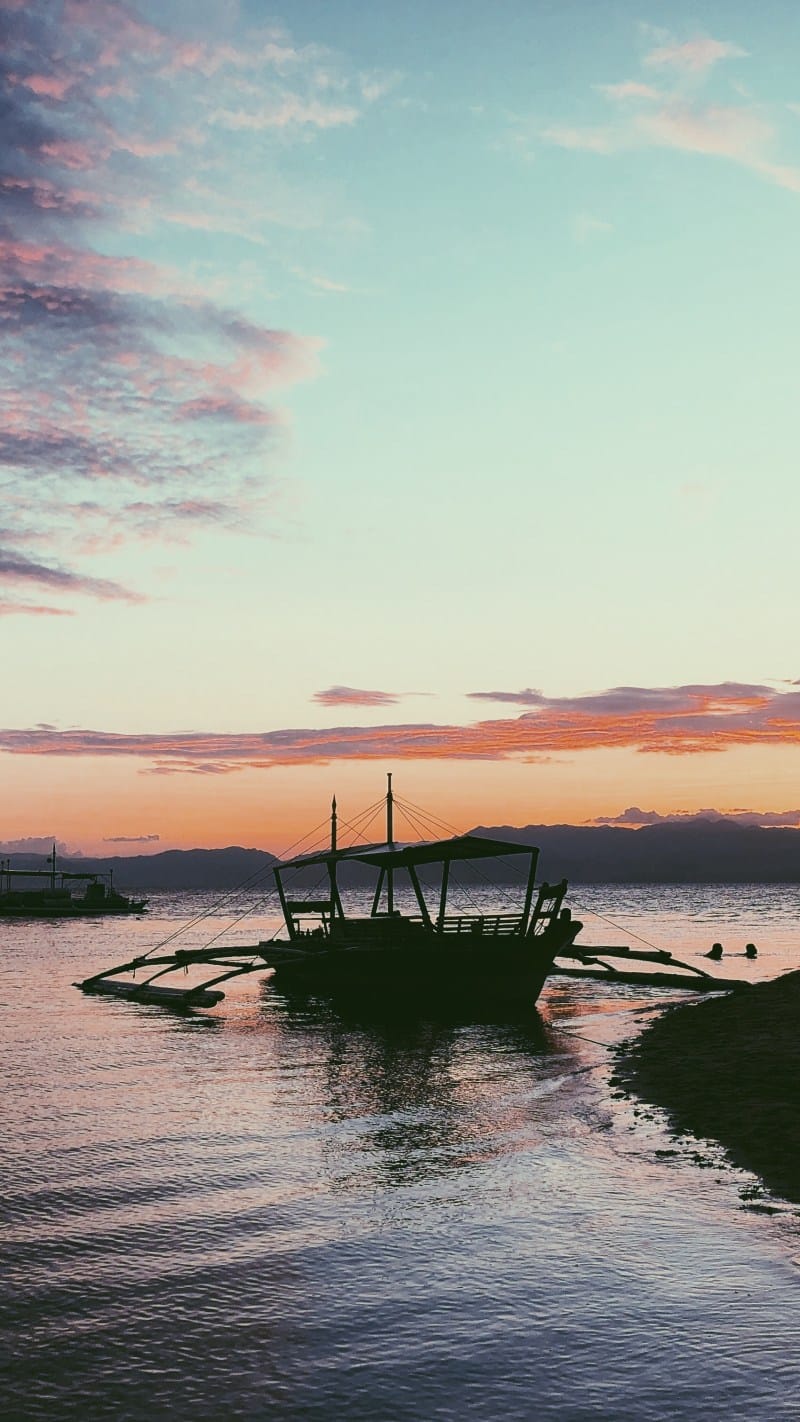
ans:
x=727 y=1069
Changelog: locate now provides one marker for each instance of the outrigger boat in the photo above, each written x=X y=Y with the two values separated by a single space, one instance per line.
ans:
x=56 y=899
x=503 y=958
x=497 y=956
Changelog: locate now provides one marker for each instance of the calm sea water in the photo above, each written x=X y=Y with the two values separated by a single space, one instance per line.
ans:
x=276 y=1212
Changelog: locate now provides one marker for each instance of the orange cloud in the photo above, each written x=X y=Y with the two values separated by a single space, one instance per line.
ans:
x=685 y=720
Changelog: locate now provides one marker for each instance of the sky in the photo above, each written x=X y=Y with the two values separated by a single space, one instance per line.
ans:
x=396 y=387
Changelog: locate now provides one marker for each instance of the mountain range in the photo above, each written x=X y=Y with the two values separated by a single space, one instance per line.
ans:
x=697 y=851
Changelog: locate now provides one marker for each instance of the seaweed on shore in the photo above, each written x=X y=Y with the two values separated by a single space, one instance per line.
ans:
x=728 y=1069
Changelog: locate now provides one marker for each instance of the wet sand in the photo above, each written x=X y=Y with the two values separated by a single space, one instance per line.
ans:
x=728 y=1069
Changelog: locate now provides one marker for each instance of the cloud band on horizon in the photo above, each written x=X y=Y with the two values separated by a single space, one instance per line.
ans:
x=683 y=720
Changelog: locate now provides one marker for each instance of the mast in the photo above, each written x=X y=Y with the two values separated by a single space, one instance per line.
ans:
x=53 y=869
x=332 y=862
x=390 y=842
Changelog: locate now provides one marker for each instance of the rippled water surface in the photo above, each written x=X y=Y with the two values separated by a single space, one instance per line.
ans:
x=290 y=1212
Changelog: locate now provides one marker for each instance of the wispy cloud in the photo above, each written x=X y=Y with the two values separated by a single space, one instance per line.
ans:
x=17 y=571
x=352 y=696
x=628 y=89
x=673 y=115
x=10 y=608
x=694 y=56
x=635 y=818
x=289 y=111
x=590 y=139
x=124 y=381
x=682 y=720
x=586 y=226
x=131 y=839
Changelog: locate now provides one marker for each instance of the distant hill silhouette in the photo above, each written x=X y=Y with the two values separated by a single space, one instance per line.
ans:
x=697 y=851
x=171 y=869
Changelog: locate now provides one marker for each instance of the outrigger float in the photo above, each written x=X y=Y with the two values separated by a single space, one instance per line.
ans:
x=498 y=957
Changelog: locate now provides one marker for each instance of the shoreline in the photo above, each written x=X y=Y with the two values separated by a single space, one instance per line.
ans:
x=727 y=1069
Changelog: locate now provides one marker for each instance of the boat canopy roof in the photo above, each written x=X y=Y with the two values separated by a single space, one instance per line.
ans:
x=400 y=856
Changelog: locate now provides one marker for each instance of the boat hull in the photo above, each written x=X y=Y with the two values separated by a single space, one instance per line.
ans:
x=76 y=909
x=508 y=971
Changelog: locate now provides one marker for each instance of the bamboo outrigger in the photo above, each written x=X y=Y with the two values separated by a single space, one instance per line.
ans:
x=594 y=965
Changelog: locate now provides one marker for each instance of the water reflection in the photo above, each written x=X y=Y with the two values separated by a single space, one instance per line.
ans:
x=307 y=1212
x=415 y=1096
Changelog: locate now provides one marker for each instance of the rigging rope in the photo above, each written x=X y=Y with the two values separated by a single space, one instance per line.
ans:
x=421 y=821
x=520 y=873
x=250 y=881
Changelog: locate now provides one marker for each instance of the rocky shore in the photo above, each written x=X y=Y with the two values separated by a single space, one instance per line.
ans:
x=728 y=1069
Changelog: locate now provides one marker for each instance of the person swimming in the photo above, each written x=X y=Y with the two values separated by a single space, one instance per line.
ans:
x=716 y=952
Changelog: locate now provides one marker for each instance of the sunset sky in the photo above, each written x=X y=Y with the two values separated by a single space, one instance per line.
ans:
x=403 y=387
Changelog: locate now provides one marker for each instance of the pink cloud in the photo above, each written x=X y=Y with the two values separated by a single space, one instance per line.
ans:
x=208 y=59
x=147 y=148
x=18 y=570
x=289 y=112
x=629 y=89
x=119 y=32
x=738 y=133
x=591 y=140
x=50 y=86
x=351 y=696
x=54 y=262
x=74 y=153
x=125 y=386
x=726 y=131
x=225 y=406
x=694 y=56
x=48 y=197
x=13 y=609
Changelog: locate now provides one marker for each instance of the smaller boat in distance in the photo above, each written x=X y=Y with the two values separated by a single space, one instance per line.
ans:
x=56 y=899
x=384 y=953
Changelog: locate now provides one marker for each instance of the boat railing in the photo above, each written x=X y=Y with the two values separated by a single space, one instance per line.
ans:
x=491 y=925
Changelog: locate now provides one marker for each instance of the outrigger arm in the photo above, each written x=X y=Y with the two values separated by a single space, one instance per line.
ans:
x=204 y=994
x=594 y=966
